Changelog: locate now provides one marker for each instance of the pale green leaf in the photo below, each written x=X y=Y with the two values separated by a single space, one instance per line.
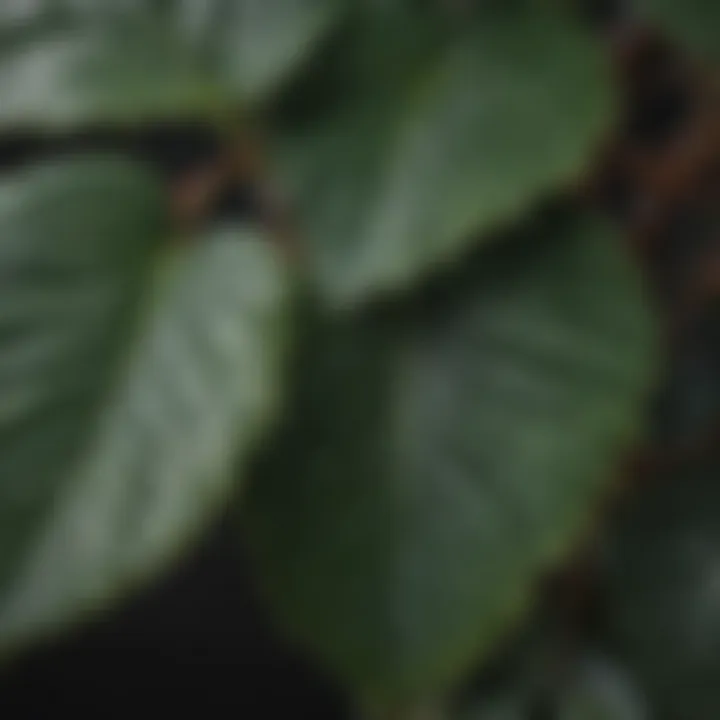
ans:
x=90 y=69
x=125 y=62
x=132 y=381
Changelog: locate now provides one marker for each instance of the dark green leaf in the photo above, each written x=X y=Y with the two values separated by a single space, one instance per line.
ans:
x=439 y=456
x=665 y=600
x=444 y=133
x=131 y=381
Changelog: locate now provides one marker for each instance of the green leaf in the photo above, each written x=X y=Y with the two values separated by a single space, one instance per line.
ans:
x=442 y=134
x=133 y=62
x=131 y=382
x=695 y=22
x=101 y=69
x=664 y=603
x=439 y=456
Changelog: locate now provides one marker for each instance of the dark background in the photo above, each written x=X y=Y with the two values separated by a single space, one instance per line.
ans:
x=193 y=643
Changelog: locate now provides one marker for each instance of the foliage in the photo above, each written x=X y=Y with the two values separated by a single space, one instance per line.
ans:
x=382 y=277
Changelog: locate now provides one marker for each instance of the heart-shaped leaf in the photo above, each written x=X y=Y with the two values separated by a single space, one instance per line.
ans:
x=456 y=131
x=440 y=455
x=131 y=381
